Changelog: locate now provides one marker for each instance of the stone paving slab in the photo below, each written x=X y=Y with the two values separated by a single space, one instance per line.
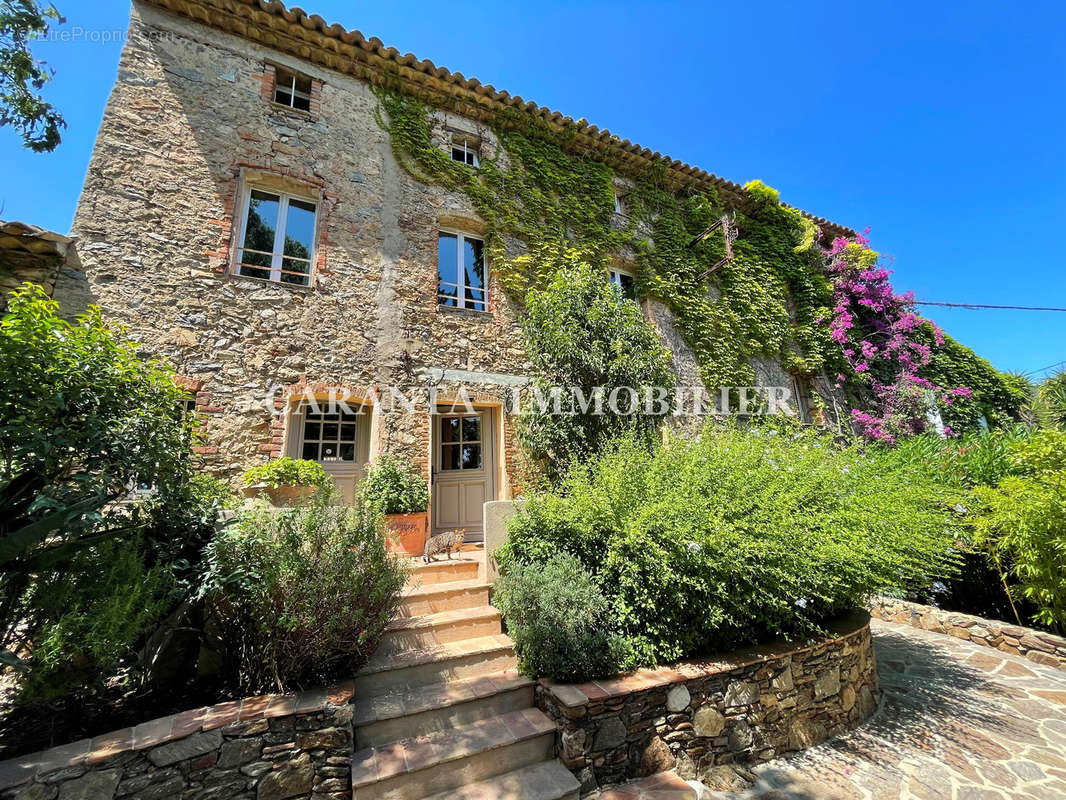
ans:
x=957 y=722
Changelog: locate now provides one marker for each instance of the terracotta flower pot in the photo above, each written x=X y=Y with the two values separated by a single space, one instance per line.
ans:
x=281 y=496
x=406 y=533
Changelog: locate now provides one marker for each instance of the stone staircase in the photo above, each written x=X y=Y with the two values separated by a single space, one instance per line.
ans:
x=442 y=713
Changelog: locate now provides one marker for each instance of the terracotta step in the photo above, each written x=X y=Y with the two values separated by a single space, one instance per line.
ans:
x=464 y=567
x=411 y=769
x=436 y=597
x=438 y=707
x=549 y=780
x=471 y=658
x=428 y=630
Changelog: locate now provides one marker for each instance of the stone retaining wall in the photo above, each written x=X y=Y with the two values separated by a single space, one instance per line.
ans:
x=267 y=748
x=1039 y=646
x=694 y=717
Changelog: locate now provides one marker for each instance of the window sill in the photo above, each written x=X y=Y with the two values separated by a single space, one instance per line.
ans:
x=471 y=313
x=299 y=113
x=236 y=276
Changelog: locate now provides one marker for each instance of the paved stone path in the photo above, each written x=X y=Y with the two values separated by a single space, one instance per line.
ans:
x=957 y=722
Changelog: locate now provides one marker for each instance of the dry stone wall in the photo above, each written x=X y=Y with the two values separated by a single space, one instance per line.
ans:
x=696 y=717
x=1039 y=646
x=271 y=747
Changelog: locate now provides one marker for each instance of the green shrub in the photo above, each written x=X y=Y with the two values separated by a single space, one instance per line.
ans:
x=393 y=487
x=287 y=471
x=582 y=332
x=736 y=536
x=560 y=620
x=301 y=596
x=1022 y=524
x=85 y=617
x=974 y=459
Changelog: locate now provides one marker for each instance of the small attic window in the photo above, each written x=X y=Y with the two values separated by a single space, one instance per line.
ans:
x=619 y=206
x=465 y=150
x=292 y=89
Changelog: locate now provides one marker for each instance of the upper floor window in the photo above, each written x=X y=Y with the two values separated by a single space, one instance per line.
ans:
x=292 y=89
x=619 y=205
x=465 y=151
x=624 y=280
x=277 y=237
x=461 y=272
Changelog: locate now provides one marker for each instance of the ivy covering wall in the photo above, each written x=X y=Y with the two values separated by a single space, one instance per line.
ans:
x=775 y=298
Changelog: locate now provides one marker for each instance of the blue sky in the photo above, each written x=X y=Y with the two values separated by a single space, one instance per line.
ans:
x=941 y=125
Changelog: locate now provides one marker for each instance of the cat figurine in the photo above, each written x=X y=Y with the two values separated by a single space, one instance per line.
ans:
x=448 y=542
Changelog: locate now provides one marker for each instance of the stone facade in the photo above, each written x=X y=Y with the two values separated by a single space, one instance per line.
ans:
x=1037 y=646
x=189 y=127
x=695 y=717
x=29 y=254
x=271 y=747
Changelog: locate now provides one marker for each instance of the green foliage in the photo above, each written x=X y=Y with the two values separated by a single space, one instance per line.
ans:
x=582 y=332
x=22 y=76
x=392 y=487
x=1050 y=401
x=560 y=620
x=997 y=397
x=287 y=471
x=301 y=596
x=559 y=204
x=1022 y=524
x=737 y=535
x=83 y=419
x=976 y=458
x=85 y=616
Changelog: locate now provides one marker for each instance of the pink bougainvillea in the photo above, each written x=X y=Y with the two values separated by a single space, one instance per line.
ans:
x=875 y=328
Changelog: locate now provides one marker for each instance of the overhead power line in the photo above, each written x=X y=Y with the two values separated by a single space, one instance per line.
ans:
x=979 y=306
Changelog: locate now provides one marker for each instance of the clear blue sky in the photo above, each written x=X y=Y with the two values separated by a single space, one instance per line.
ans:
x=941 y=125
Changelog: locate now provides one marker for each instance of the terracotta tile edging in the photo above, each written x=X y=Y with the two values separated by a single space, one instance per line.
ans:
x=576 y=695
x=152 y=733
x=1037 y=646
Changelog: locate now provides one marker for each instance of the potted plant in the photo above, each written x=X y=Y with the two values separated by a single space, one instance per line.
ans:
x=286 y=481
x=400 y=493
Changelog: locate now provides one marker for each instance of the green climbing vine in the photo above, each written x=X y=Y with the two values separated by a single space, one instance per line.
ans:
x=544 y=201
x=764 y=302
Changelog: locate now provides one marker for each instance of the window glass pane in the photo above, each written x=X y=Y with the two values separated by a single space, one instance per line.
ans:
x=261 y=222
x=449 y=429
x=348 y=452
x=473 y=263
x=300 y=229
x=347 y=432
x=626 y=282
x=311 y=429
x=449 y=456
x=447 y=268
x=329 y=431
x=471 y=456
x=472 y=429
x=329 y=451
x=310 y=451
x=282 y=95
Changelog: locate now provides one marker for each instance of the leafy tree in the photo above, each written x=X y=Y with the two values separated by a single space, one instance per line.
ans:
x=83 y=420
x=583 y=333
x=22 y=76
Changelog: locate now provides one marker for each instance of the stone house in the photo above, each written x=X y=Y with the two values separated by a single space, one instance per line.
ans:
x=244 y=215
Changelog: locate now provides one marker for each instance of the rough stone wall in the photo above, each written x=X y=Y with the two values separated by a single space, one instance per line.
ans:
x=262 y=748
x=189 y=119
x=1039 y=646
x=16 y=268
x=694 y=717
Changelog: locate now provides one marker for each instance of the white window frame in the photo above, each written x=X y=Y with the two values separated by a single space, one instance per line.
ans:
x=277 y=257
x=615 y=277
x=460 y=238
x=293 y=91
x=463 y=145
x=619 y=208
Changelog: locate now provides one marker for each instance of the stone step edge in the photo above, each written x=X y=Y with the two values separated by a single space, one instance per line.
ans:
x=480 y=645
x=448 y=587
x=524 y=780
x=422 y=566
x=441 y=618
x=518 y=726
x=480 y=688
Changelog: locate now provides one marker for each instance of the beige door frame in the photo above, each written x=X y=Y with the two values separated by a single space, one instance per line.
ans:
x=467 y=489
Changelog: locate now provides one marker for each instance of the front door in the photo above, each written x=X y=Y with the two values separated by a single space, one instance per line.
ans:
x=463 y=471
